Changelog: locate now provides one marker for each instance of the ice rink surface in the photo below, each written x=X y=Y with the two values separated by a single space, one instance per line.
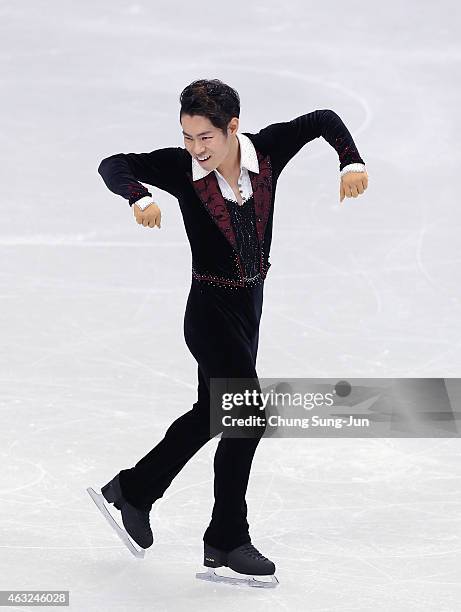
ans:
x=94 y=366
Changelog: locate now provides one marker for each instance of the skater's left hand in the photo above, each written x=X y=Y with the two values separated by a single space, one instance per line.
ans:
x=352 y=183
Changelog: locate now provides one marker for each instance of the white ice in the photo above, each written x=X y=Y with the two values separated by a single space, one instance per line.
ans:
x=94 y=366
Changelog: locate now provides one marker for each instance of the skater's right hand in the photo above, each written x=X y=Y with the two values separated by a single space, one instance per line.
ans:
x=149 y=217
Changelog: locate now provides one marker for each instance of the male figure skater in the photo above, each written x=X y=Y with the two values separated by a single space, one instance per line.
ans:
x=225 y=184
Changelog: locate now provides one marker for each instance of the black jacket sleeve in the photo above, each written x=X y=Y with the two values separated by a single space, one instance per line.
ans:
x=123 y=172
x=283 y=140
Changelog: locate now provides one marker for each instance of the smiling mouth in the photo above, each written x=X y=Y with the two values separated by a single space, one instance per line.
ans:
x=202 y=161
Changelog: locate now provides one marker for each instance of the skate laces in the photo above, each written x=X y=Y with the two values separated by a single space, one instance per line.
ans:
x=251 y=551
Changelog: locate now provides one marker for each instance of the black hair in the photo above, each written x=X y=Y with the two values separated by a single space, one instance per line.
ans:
x=212 y=99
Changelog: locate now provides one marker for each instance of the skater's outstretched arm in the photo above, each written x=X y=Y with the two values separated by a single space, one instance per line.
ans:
x=283 y=140
x=123 y=172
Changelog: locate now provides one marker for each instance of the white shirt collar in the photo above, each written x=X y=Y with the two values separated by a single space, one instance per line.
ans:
x=248 y=159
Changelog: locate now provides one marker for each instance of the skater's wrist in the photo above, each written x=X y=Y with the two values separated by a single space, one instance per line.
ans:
x=353 y=168
x=144 y=202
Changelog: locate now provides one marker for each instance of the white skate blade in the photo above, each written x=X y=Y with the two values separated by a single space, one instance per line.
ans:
x=100 y=501
x=252 y=581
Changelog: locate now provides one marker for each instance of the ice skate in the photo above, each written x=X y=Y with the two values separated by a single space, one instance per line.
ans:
x=246 y=559
x=137 y=533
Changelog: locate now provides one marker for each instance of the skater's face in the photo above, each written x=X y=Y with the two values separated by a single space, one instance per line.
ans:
x=202 y=139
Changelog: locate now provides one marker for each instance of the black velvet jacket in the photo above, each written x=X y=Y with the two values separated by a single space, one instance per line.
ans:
x=207 y=221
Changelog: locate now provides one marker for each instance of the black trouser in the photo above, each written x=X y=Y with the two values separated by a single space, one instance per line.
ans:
x=221 y=329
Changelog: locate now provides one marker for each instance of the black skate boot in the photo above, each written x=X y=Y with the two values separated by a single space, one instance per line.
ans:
x=244 y=559
x=135 y=520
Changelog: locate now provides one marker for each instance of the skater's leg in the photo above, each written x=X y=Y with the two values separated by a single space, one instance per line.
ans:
x=229 y=526
x=152 y=475
x=232 y=464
